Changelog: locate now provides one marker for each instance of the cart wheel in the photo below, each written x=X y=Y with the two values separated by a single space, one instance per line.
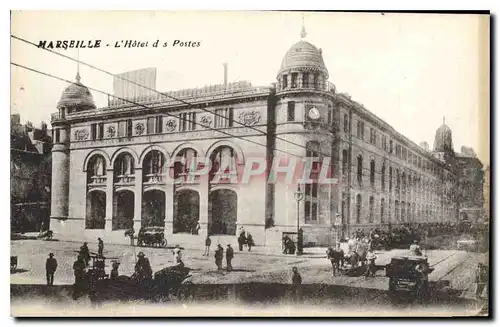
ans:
x=164 y=243
x=139 y=243
x=186 y=292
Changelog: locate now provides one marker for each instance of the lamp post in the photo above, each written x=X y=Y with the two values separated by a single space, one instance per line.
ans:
x=336 y=225
x=299 y=195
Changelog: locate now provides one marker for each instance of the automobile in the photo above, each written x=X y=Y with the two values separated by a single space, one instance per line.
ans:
x=402 y=272
x=152 y=236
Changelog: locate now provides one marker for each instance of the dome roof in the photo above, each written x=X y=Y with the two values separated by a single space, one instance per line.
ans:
x=303 y=55
x=443 y=140
x=77 y=96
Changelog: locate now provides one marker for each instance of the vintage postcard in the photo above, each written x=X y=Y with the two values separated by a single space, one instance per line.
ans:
x=252 y=163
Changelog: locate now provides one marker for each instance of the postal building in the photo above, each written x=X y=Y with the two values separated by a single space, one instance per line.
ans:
x=110 y=165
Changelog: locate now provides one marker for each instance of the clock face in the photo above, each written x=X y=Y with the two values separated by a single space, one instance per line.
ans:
x=314 y=114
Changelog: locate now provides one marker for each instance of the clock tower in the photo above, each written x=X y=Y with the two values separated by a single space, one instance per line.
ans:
x=305 y=117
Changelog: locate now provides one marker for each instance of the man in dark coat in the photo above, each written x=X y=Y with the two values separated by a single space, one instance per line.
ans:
x=100 y=247
x=250 y=242
x=219 y=254
x=85 y=253
x=229 y=257
x=208 y=242
x=296 y=284
x=79 y=272
x=50 y=267
x=143 y=268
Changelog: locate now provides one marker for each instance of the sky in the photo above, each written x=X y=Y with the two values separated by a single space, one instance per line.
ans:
x=409 y=69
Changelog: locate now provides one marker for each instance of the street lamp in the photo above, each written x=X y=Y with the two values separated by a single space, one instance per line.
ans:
x=299 y=195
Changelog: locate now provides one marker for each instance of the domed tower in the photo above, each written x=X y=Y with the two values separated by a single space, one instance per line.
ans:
x=305 y=118
x=302 y=68
x=443 y=143
x=76 y=97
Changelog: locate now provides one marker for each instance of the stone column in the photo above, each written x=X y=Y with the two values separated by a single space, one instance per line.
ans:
x=138 y=199
x=289 y=77
x=169 y=207
x=204 y=198
x=109 y=200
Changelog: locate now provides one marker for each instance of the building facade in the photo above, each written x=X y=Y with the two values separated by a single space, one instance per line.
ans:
x=30 y=166
x=127 y=165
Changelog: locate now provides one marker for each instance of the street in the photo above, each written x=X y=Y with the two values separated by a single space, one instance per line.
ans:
x=257 y=280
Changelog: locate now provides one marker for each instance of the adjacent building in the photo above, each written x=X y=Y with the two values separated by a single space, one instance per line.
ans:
x=110 y=165
x=30 y=165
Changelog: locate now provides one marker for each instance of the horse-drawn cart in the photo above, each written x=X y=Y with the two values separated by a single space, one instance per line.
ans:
x=171 y=283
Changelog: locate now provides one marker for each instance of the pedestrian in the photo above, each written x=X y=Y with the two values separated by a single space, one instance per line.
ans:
x=100 y=247
x=296 y=284
x=481 y=279
x=241 y=239
x=250 y=242
x=336 y=257
x=422 y=280
x=370 y=267
x=415 y=249
x=219 y=254
x=229 y=257
x=79 y=273
x=50 y=268
x=177 y=254
x=114 y=270
x=85 y=253
x=208 y=242
x=143 y=269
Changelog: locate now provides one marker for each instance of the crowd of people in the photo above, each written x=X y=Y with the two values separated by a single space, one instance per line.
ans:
x=404 y=235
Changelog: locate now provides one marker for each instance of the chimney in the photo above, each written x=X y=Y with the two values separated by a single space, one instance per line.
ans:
x=225 y=74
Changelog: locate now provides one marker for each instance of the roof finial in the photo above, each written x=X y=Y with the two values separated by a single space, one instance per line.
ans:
x=303 y=33
x=78 y=65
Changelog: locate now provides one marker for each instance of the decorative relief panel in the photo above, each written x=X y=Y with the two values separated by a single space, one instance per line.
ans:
x=139 y=128
x=110 y=131
x=251 y=117
x=81 y=134
x=206 y=121
x=171 y=125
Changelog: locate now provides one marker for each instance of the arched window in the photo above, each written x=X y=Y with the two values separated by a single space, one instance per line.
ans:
x=305 y=79
x=345 y=165
x=382 y=211
x=390 y=179
x=312 y=151
x=358 y=208
x=371 y=213
x=403 y=211
x=124 y=168
x=223 y=163
x=184 y=162
x=153 y=162
x=360 y=169
x=383 y=177
x=398 y=181
x=346 y=123
x=396 y=210
x=403 y=177
x=311 y=190
x=96 y=170
x=372 y=173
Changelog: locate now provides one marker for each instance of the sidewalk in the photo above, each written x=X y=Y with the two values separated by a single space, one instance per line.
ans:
x=314 y=252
